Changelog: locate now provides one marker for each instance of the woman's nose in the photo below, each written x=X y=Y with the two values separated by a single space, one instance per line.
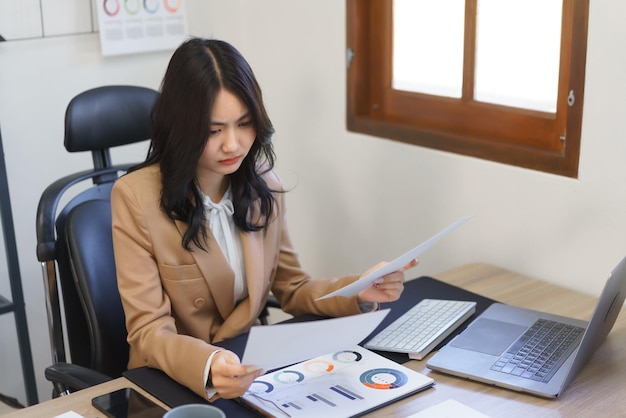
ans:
x=230 y=141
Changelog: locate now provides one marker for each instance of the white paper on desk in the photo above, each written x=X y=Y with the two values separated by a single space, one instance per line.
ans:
x=448 y=409
x=395 y=265
x=273 y=346
x=69 y=414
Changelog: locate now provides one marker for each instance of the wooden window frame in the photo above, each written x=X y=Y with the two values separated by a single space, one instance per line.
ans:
x=542 y=141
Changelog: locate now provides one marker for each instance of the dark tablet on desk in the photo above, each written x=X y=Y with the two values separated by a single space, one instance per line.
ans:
x=174 y=394
x=127 y=403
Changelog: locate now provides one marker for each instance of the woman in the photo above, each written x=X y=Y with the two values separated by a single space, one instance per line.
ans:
x=199 y=228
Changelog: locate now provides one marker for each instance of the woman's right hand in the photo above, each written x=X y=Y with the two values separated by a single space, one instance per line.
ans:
x=229 y=377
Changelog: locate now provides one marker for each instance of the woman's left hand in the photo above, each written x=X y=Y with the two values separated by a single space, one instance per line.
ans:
x=387 y=288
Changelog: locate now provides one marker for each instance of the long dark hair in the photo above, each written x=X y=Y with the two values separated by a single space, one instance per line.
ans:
x=197 y=71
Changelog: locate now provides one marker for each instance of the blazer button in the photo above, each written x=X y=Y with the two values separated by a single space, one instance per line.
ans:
x=199 y=303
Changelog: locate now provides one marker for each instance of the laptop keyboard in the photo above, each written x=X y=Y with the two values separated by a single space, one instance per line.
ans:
x=540 y=351
x=422 y=327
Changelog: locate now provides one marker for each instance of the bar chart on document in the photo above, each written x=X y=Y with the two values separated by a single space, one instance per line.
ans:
x=340 y=384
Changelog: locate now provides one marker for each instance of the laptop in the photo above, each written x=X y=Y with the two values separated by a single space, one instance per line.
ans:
x=497 y=347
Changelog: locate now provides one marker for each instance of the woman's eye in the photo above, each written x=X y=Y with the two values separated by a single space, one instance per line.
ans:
x=213 y=132
x=246 y=123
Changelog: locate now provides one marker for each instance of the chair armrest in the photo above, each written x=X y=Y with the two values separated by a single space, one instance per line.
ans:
x=272 y=302
x=73 y=377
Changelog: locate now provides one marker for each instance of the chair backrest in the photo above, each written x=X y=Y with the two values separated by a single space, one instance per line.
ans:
x=90 y=250
x=95 y=120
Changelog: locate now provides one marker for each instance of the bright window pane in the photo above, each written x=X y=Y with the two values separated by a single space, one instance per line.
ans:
x=428 y=46
x=517 y=53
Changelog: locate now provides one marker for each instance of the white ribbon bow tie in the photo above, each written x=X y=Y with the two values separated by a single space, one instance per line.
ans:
x=225 y=206
x=220 y=227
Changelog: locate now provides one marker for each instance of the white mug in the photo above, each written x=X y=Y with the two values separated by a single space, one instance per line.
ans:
x=195 y=410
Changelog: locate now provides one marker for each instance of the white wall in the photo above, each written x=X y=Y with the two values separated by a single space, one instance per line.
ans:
x=356 y=199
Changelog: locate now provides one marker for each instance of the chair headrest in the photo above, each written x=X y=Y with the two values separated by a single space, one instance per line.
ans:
x=108 y=116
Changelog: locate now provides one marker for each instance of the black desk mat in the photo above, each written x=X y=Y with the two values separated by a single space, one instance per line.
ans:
x=174 y=394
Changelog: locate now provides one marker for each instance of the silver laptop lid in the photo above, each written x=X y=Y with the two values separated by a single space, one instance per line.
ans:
x=608 y=307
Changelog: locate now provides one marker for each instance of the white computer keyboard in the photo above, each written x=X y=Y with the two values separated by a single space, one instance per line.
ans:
x=422 y=327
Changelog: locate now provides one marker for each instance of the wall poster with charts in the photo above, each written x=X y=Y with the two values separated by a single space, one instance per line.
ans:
x=131 y=26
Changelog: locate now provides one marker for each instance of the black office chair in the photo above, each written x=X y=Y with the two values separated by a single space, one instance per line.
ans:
x=74 y=241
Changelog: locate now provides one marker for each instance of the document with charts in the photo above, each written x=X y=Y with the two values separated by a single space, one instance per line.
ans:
x=345 y=383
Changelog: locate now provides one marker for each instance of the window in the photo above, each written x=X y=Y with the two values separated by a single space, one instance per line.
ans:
x=471 y=76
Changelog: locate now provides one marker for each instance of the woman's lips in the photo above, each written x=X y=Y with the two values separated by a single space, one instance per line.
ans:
x=230 y=161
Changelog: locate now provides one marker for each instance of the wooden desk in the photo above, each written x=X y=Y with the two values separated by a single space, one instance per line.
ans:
x=599 y=390
x=79 y=402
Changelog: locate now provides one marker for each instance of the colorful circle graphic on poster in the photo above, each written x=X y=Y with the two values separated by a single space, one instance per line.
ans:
x=171 y=6
x=347 y=356
x=111 y=7
x=259 y=386
x=383 y=379
x=288 y=376
x=132 y=6
x=150 y=6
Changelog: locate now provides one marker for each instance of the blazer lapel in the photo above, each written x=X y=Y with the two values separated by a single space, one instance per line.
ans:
x=216 y=271
x=253 y=255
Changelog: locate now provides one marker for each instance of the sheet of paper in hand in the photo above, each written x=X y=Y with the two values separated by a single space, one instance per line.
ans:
x=272 y=346
x=395 y=265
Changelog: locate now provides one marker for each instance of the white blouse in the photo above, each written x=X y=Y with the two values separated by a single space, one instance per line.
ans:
x=222 y=225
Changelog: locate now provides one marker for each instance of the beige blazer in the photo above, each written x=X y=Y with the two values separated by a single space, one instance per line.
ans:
x=178 y=302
